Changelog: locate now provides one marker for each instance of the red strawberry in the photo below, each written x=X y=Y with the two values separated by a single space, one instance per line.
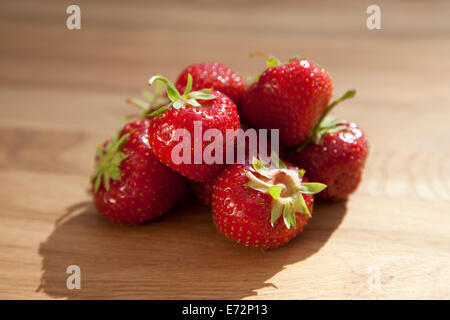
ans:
x=216 y=76
x=203 y=190
x=130 y=185
x=249 y=200
x=334 y=154
x=290 y=97
x=185 y=114
x=336 y=159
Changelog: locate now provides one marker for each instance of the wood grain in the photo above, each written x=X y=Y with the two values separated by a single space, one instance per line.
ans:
x=62 y=93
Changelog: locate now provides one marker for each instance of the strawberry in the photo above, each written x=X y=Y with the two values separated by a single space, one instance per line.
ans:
x=203 y=190
x=188 y=114
x=130 y=184
x=249 y=200
x=216 y=76
x=334 y=154
x=290 y=97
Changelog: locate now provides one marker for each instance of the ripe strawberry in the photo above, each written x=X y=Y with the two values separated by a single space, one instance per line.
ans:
x=130 y=185
x=334 y=154
x=211 y=110
x=248 y=201
x=216 y=76
x=290 y=97
x=203 y=190
x=337 y=159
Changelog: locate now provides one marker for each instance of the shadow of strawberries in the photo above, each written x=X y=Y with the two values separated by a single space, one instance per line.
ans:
x=178 y=256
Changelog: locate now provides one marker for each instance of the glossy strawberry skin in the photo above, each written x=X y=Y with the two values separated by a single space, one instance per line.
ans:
x=338 y=162
x=219 y=113
x=213 y=75
x=289 y=97
x=243 y=214
x=147 y=188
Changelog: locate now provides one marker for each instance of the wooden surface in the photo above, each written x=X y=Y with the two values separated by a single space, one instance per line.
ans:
x=62 y=93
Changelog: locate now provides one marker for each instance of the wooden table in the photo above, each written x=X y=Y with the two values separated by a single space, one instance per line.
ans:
x=62 y=93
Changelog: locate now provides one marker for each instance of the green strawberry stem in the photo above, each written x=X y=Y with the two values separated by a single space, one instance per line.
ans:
x=108 y=162
x=271 y=61
x=177 y=100
x=148 y=104
x=286 y=188
x=296 y=57
x=172 y=91
x=347 y=95
x=141 y=104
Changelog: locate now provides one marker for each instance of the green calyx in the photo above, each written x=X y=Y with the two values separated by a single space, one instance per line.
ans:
x=271 y=61
x=149 y=103
x=327 y=124
x=178 y=100
x=108 y=162
x=286 y=188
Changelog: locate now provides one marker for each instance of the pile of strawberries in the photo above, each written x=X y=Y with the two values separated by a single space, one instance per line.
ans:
x=257 y=205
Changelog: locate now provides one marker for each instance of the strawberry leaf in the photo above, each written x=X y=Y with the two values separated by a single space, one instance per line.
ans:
x=108 y=162
x=201 y=95
x=312 y=187
x=177 y=100
x=178 y=104
x=301 y=173
x=275 y=191
x=284 y=204
x=172 y=92
x=276 y=212
x=158 y=111
x=261 y=169
x=188 y=85
x=272 y=62
x=300 y=205
x=318 y=132
x=289 y=215
x=192 y=102
x=256 y=184
x=147 y=95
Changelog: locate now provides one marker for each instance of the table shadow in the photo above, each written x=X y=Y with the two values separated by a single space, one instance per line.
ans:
x=178 y=256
